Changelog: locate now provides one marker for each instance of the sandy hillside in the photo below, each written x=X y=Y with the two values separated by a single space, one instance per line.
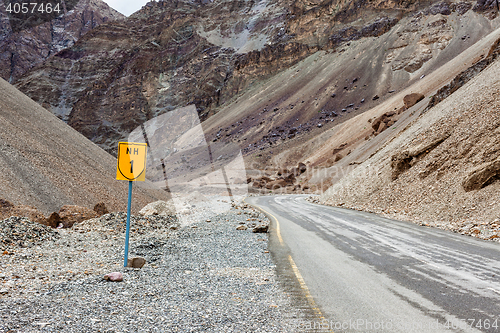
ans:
x=47 y=164
x=442 y=169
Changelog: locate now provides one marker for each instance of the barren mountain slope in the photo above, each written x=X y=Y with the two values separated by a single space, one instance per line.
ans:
x=22 y=50
x=47 y=164
x=443 y=168
x=212 y=54
x=346 y=145
x=308 y=111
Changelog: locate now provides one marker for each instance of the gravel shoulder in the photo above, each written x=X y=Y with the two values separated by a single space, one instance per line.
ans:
x=202 y=277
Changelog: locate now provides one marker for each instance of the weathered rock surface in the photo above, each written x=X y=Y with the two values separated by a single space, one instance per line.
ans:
x=20 y=51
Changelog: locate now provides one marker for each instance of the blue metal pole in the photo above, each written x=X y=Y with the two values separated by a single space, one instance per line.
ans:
x=127 y=233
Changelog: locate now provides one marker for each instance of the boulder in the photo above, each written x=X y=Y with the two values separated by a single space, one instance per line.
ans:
x=412 y=99
x=258 y=184
x=4 y=204
x=289 y=179
x=75 y=214
x=382 y=127
x=295 y=171
x=242 y=227
x=279 y=183
x=162 y=208
x=29 y=212
x=481 y=176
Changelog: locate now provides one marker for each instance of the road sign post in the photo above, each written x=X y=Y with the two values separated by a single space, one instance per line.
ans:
x=131 y=166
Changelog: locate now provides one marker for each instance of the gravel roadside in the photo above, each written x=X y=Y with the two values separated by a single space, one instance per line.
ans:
x=203 y=277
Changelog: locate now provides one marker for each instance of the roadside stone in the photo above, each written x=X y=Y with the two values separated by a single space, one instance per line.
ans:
x=412 y=99
x=136 y=262
x=261 y=228
x=114 y=277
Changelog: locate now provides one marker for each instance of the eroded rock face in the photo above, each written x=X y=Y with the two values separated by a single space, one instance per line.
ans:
x=20 y=51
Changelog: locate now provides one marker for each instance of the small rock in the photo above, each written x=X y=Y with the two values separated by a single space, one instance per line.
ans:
x=261 y=228
x=114 y=277
x=136 y=262
x=242 y=227
x=209 y=220
x=4 y=291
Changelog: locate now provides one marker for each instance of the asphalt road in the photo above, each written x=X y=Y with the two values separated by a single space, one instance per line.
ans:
x=365 y=273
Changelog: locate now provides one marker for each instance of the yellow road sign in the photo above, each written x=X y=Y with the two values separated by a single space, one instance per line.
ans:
x=131 y=161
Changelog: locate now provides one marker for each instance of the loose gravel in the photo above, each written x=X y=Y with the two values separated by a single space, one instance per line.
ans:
x=204 y=277
x=20 y=232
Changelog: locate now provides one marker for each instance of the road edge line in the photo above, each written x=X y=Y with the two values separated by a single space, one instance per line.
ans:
x=295 y=269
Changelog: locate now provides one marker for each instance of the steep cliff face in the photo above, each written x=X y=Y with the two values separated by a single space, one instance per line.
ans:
x=216 y=54
x=20 y=51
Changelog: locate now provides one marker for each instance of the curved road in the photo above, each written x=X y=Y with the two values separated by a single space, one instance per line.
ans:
x=366 y=273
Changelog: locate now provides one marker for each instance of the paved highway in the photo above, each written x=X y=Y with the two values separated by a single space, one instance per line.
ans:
x=365 y=273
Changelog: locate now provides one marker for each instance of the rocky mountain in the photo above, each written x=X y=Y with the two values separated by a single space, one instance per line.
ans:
x=209 y=54
x=47 y=164
x=443 y=168
x=24 y=48
x=287 y=81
